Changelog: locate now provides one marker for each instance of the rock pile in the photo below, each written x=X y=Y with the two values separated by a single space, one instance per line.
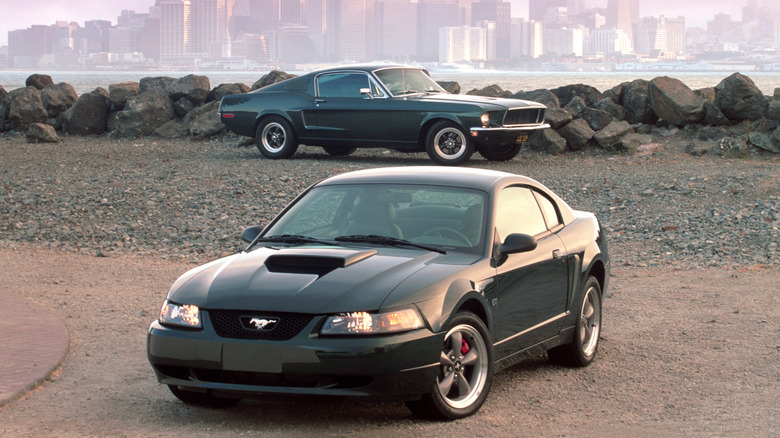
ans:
x=734 y=115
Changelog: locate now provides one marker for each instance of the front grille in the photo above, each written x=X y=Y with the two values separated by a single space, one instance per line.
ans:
x=524 y=116
x=227 y=323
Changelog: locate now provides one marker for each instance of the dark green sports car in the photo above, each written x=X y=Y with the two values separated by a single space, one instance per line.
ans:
x=388 y=106
x=412 y=284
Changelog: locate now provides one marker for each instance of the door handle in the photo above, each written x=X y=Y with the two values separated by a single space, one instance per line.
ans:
x=556 y=254
x=319 y=101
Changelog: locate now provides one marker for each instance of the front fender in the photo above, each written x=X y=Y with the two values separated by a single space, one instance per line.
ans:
x=461 y=295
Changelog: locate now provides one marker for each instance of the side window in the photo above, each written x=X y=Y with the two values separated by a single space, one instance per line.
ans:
x=342 y=84
x=518 y=212
x=550 y=212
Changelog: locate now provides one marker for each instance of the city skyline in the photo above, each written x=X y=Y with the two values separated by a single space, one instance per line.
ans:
x=47 y=12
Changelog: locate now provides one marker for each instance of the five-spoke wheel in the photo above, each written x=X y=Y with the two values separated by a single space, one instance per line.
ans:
x=581 y=351
x=447 y=144
x=276 y=138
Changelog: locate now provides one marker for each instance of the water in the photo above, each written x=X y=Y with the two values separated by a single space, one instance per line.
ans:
x=514 y=81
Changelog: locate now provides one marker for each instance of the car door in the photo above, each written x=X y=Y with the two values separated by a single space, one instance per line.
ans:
x=532 y=287
x=342 y=113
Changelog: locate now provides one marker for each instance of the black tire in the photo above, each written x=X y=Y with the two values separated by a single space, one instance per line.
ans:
x=447 y=144
x=500 y=153
x=582 y=350
x=276 y=138
x=339 y=151
x=470 y=371
x=203 y=399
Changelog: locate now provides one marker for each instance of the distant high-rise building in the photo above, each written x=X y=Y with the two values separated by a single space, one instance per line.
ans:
x=345 y=34
x=537 y=9
x=526 y=39
x=498 y=12
x=623 y=15
x=432 y=15
x=563 y=42
x=675 y=34
x=464 y=43
x=292 y=12
x=208 y=27
x=174 y=29
x=395 y=24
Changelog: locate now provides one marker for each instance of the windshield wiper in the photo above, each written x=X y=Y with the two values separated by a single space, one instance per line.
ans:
x=293 y=239
x=384 y=240
x=404 y=92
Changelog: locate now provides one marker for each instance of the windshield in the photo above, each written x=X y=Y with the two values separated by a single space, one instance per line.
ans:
x=401 y=81
x=447 y=217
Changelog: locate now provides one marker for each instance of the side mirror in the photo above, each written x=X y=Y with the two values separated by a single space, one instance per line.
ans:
x=366 y=92
x=249 y=234
x=516 y=243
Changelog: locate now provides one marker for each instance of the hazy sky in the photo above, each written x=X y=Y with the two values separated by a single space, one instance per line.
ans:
x=16 y=14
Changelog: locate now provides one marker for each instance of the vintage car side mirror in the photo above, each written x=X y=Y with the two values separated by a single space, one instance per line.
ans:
x=366 y=92
x=249 y=234
x=515 y=243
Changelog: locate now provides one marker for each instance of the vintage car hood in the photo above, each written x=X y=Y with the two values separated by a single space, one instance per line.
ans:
x=479 y=100
x=303 y=279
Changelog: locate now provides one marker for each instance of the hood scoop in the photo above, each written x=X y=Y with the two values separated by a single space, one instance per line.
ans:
x=314 y=262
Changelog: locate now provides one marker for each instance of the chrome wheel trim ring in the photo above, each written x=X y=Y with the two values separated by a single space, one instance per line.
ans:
x=274 y=137
x=465 y=375
x=590 y=322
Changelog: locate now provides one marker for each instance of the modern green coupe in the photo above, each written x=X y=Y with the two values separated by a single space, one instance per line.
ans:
x=396 y=107
x=408 y=283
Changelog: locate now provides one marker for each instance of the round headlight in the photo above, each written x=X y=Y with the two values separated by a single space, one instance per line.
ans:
x=485 y=119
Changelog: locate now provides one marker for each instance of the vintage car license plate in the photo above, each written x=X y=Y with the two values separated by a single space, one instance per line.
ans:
x=521 y=138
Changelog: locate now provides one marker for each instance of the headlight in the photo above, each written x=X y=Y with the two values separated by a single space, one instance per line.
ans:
x=185 y=315
x=485 y=119
x=364 y=323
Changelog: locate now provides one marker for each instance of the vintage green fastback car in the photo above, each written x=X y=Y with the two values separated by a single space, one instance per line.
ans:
x=391 y=106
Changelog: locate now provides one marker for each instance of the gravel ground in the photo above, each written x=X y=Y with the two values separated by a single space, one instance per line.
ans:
x=97 y=230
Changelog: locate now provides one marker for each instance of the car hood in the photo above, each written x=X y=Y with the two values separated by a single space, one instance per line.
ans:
x=306 y=279
x=479 y=100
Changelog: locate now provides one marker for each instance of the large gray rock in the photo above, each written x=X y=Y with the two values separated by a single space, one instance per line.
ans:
x=731 y=147
x=674 y=102
x=5 y=104
x=566 y=93
x=38 y=81
x=490 y=91
x=597 y=119
x=143 y=114
x=195 y=88
x=713 y=115
x=207 y=123
x=631 y=142
x=223 y=90
x=26 y=108
x=763 y=141
x=451 y=87
x=183 y=106
x=740 y=99
x=542 y=96
x=272 y=77
x=121 y=92
x=173 y=129
x=546 y=140
x=611 y=107
x=41 y=133
x=575 y=106
x=577 y=134
x=90 y=113
x=557 y=117
x=612 y=133
x=58 y=98
x=707 y=94
x=774 y=106
x=155 y=83
x=636 y=100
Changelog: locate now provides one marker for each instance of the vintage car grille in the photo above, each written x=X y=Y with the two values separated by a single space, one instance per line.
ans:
x=524 y=116
x=227 y=323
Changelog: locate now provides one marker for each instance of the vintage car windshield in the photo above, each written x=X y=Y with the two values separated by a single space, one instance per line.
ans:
x=402 y=81
x=446 y=217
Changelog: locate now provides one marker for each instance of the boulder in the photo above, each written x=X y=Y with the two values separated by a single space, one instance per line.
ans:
x=183 y=106
x=712 y=133
x=557 y=117
x=597 y=119
x=58 y=98
x=674 y=102
x=774 y=109
x=631 y=143
x=740 y=99
x=193 y=87
x=575 y=106
x=5 y=104
x=272 y=77
x=730 y=147
x=451 y=87
x=41 y=133
x=158 y=82
x=611 y=133
x=577 y=134
x=568 y=92
x=143 y=114
x=207 y=123
x=26 y=108
x=706 y=94
x=546 y=140
x=635 y=99
x=89 y=115
x=611 y=107
x=613 y=93
x=490 y=91
x=776 y=138
x=173 y=129
x=38 y=81
x=121 y=92
x=763 y=141
x=713 y=115
x=226 y=90
x=542 y=96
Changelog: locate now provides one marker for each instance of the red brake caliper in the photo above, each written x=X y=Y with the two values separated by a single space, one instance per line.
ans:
x=464 y=348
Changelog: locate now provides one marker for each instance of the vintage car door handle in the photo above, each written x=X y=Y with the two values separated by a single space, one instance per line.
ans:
x=319 y=101
x=556 y=254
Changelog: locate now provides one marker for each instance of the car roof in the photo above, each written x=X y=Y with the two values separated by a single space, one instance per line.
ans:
x=361 y=67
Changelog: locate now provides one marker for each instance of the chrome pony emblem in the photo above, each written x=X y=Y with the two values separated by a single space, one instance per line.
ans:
x=258 y=323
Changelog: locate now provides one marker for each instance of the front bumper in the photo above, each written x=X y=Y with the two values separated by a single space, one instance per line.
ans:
x=503 y=136
x=398 y=367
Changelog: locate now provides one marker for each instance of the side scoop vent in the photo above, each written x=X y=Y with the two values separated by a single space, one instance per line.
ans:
x=314 y=262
